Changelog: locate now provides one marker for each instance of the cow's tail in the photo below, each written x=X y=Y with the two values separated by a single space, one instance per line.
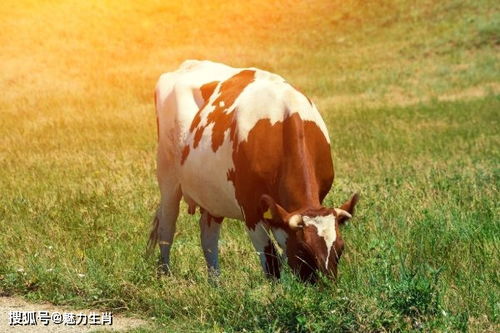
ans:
x=153 y=235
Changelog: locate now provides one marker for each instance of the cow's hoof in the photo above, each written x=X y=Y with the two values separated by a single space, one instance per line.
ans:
x=163 y=270
x=214 y=277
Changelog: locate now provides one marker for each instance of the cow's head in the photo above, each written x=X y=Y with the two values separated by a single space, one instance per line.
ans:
x=314 y=242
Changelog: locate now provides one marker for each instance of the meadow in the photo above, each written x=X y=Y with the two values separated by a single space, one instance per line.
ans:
x=410 y=92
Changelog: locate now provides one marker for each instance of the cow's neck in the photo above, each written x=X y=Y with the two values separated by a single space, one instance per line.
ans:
x=298 y=187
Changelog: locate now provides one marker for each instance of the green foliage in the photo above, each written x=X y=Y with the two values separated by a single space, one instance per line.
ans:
x=413 y=295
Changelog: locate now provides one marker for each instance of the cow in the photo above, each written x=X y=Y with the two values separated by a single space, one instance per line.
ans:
x=244 y=144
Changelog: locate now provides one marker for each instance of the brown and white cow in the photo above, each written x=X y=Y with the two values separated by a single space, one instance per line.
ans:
x=242 y=143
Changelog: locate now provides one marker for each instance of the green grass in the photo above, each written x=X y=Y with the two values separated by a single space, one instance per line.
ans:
x=410 y=94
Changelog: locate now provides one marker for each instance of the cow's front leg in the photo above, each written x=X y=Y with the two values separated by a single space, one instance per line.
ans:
x=268 y=254
x=210 y=230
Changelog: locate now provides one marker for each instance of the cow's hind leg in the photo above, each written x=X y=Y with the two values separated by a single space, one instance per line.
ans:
x=164 y=224
x=210 y=230
x=268 y=255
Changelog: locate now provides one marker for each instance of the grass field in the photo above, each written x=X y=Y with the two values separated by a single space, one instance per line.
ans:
x=410 y=91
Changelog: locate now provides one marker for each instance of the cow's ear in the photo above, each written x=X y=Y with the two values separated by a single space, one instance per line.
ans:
x=346 y=211
x=271 y=211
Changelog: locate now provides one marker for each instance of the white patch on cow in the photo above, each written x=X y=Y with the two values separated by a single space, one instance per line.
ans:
x=221 y=104
x=207 y=183
x=270 y=97
x=326 y=229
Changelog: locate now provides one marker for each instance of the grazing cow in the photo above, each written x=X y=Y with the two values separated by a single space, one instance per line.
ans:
x=242 y=143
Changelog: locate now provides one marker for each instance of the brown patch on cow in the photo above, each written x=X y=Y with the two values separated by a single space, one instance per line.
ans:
x=197 y=137
x=322 y=211
x=196 y=120
x=290 y=161
x=185 y=153
x=222 y=121
x=208 y=89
